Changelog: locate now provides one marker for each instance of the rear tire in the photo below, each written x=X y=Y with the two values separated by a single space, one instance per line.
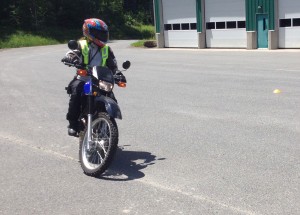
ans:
x=103 y=147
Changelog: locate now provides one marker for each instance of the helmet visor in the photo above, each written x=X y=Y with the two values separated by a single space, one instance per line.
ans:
x=100 y=35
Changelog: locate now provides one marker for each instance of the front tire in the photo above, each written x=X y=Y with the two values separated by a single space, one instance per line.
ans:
x=103 y=147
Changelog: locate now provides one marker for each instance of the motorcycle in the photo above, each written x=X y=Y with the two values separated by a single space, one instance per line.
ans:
x=98 y=135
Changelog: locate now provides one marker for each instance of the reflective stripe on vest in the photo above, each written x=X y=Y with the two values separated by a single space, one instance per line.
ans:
x=85 y=52
x=104 y=53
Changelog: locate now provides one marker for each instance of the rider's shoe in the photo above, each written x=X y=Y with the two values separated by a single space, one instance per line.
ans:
x=72 y=132
x=72 y=129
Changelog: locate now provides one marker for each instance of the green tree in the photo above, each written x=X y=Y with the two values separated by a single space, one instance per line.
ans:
x=37 y=14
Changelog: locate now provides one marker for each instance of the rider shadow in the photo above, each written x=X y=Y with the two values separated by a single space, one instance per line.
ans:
x=127 y=165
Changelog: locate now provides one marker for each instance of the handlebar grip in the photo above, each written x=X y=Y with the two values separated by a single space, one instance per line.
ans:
x=79 y=66
x=69 y=64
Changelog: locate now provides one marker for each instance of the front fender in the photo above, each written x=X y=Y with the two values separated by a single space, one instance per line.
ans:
x=111 y=107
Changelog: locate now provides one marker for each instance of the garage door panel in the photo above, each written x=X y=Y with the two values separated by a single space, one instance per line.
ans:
x=178 y=11
x=289 y=38
x=223 y=28
x=289 y=31
x=226 y=39
x=229 y=10
x=180 y=23
x=181 y=38
x=289 y=8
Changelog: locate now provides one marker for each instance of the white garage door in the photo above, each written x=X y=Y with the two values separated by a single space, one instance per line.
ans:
x=289 y=24
x=225 y=24
x=180 y=23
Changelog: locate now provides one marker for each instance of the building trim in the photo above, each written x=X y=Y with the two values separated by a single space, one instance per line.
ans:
x=254 y=7
x=159 y=27
x=199 y=15
x=157 y=15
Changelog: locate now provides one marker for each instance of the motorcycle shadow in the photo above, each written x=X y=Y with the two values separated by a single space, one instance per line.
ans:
x=127 y=165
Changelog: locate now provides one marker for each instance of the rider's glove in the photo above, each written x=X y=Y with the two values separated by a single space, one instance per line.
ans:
x=66 y=59
x=70 y=59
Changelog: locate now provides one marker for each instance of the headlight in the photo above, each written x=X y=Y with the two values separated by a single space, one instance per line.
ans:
x=106 y=86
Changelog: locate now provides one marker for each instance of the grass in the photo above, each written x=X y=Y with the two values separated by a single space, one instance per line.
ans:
x=21 y=39
x=146 y=33
x=10 y=38
x=145 y=43
x=132 y=32
x=139 y=43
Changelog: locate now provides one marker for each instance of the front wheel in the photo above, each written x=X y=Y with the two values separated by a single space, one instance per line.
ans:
x=97 y=156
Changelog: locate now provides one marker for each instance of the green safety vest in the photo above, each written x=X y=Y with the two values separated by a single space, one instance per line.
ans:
x=85 y=52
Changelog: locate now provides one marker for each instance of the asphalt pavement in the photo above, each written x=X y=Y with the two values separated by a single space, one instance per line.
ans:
x=203 y=132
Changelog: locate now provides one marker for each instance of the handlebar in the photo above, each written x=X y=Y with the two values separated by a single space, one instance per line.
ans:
x=78 y=66
x=118 y=76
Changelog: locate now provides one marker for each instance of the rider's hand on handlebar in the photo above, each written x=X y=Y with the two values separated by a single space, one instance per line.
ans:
x=70 y=59
x=66 y=59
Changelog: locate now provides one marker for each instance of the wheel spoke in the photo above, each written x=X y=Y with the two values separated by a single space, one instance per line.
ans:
x=101 y=136
x=92 y=160
x=101 y=159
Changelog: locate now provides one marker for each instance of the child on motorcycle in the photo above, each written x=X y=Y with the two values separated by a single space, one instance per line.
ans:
x=92 y=51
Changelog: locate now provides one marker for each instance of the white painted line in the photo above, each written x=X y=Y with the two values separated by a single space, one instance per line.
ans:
x=198 y=197
x=22 y=143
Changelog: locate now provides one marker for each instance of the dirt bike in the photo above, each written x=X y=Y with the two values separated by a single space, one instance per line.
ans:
x=98 y=136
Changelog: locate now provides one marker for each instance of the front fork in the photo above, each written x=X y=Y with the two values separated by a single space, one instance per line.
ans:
x=89 y=121
x=90 y=104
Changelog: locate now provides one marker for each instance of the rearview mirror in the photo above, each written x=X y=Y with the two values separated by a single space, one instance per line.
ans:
x=126 y=64
x=73 y=44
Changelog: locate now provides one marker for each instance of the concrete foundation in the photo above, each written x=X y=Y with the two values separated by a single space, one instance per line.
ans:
x=201 y=40
x=273 y=40
x=251 y=40
x=160 y=40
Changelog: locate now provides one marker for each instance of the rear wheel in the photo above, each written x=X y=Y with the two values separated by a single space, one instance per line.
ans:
x=95 y=160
